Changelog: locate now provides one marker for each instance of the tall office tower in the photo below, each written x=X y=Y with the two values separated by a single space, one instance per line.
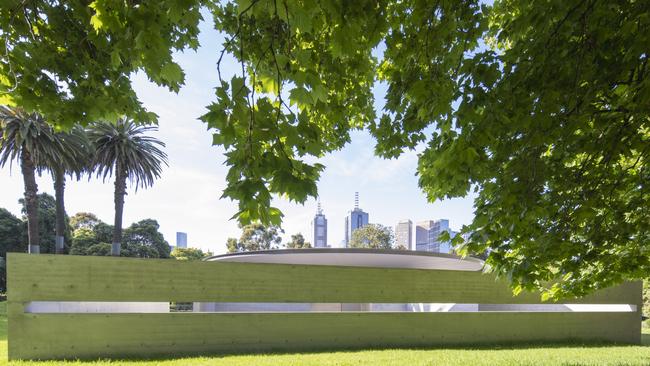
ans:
x=426 y=236
x=422 y=235
x=357 y=218
x=404 y=234
x=181 y=240
x=320 y=229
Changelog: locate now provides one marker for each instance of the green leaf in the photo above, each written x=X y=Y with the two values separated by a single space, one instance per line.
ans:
x=238 y=87
x=172 y=73
x=301 y=97
x=319 y=92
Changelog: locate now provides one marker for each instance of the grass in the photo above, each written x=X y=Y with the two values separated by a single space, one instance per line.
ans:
x=568 y=355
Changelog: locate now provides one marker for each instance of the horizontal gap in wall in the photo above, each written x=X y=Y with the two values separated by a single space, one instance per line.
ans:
x=107 y=307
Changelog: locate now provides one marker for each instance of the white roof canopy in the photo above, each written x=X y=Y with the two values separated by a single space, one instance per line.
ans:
x=356 y=258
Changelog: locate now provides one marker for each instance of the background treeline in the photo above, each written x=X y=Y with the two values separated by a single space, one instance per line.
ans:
x=85 y=234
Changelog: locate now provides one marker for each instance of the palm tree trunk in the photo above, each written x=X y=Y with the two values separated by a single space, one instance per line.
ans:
x=31 y=200
x=59 y=189
x=120 y=192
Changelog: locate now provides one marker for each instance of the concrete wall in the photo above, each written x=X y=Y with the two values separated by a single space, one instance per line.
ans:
x=105 y=279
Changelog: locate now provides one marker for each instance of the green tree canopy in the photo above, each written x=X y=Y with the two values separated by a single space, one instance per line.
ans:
x=11 y=240
x=84 y=220
x=189 y=254
x=82 y=239
x=373 y=236
x=71 y=59
x=298 y=242
x=542 y=109
x=255 y=237
x=11 y=233
x=103 y=232
x=142 y=239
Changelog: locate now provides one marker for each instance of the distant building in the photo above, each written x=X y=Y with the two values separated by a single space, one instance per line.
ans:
x=181 y=240
x=445 y=246
x=426 y=236
x=320 y=229
x=404 y=234
x=357 y=218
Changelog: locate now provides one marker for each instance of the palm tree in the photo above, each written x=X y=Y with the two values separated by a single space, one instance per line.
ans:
x=74 y=161
x=27 y=138
x=124 y=149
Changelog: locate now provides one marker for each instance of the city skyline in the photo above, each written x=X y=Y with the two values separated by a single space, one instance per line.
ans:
x=423 y=236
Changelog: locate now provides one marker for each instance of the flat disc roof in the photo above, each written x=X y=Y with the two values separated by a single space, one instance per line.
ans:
x=355 y=257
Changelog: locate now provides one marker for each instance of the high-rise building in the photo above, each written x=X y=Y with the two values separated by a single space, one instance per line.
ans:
x=357 y=218
x=320 y=228
x=422 y=234
x=426 y=236
x=181 y=240
x=404 y=234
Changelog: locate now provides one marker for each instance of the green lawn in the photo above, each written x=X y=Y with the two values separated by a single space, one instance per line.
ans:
x=551 y=355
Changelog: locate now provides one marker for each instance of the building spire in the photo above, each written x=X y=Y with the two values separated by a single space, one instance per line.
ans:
x=356 y=200
x=320 y=209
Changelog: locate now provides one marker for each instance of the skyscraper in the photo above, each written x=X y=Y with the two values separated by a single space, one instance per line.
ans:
x=181 y=240
x=426 y=236
x=320 y=229
x=404 y=234
x=357 y=218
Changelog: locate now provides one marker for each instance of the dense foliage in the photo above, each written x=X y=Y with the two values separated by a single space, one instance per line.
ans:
x=255 y=237
x=93 y=237
x=11 y=240
x=189 y=254
x=86 y=220
x=298 y=242
x=11 y=233
x=373 y=236
x=142 y=239
x=541 y=108
x=71 y=60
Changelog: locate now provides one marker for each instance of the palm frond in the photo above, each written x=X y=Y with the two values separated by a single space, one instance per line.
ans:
x=78 y=155
x=125 y=144
x=22 y=132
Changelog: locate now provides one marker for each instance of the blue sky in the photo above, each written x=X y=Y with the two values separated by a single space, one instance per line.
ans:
x=186 y=198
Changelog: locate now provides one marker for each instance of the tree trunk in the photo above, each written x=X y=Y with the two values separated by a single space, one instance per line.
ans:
x=31 y=200
x=59 y=189
x=120 y=192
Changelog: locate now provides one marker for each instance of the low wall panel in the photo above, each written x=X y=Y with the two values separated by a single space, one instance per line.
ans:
x=72 y=278
x=79 y=278
x=150 y=335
